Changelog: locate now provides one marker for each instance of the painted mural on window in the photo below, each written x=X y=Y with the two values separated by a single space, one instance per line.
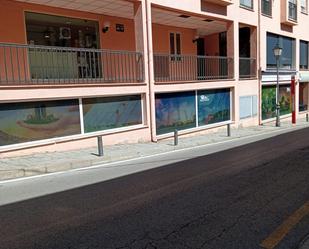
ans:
x=111 y=112
x=214 y=106
x=175 y=111
x=269 y=101
x=30 y=121
x=303 y=96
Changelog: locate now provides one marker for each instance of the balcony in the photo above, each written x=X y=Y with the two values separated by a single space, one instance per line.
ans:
x=289 y=12
x=190 y=68
x=247 y=68
x=30 y=64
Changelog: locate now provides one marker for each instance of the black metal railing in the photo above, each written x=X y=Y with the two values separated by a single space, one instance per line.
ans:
x=292 y=11
x=28 y=64
x=247 y=68
x=181 y=68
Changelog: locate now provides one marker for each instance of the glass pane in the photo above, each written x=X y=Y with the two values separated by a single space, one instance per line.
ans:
x=51 y=30
x=266 y=7
x=272 y=41
x=303 y=97
x=269 y=101
x=286 y=59
x=303 y=54
x=247 y=3
x=303 y=5
x=30 y=121
x=254 y=105
x=288 y=47
x=111 y=112
x=175 y=111
x=293 y=9
x=285 y=100
x=214 y=106
x=178 y=46
x=245 y=109
x=172 y=43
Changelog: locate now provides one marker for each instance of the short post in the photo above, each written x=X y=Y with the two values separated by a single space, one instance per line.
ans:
x=100 y=146
x=175 y=137
x=228 y=130
x=307 y=117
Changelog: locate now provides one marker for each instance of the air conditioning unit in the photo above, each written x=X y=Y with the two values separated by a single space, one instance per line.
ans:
x=65 y=33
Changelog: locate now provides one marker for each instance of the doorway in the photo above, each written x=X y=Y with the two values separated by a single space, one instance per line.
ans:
x=201 y=60
x=223 y=60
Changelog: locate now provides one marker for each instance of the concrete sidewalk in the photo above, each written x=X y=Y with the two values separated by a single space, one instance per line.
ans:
x=44 y=163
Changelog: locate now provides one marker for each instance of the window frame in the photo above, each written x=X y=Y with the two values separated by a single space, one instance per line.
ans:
x=270 y=14
x=307 y=66
x=281 y=40
x=175 y=46
x=242 y=5
x=306 y=7
x=290 y=17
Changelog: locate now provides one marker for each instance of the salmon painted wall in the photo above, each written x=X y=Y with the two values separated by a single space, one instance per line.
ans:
x=212 y=44
x=161 y=42
x=12 y=24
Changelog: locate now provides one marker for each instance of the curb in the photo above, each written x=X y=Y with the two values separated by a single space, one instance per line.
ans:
x=7 y=175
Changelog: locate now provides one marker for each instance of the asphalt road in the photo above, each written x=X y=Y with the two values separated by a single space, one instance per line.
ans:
x=232 y=199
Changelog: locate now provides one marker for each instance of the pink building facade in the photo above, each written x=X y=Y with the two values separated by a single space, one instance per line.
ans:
x=134 y=71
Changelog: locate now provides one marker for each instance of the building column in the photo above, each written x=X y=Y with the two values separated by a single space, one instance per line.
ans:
x=233 y=51
x=151 y=80
x=141 y=46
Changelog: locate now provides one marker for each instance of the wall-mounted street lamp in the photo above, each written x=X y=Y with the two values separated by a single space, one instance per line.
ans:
x=277 y=53
x=106 y=26
x=196 y=38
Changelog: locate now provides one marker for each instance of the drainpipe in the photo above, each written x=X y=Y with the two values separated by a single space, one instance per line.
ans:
x=259 y=63
x=150 y=72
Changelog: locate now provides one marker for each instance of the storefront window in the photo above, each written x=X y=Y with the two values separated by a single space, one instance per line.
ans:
x=303 y=96
x=60 y=31
x=25 y=122
x=185 y=110
x=112 y=112
x=269 y=101
x=175 y=111
x=214 y=106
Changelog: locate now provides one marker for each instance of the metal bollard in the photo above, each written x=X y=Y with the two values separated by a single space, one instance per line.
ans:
x=307 y=117
x=100 y=146
x=175 y=137
x=228 y=130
